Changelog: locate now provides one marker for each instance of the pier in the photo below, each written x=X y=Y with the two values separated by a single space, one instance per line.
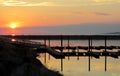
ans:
x=61 y=54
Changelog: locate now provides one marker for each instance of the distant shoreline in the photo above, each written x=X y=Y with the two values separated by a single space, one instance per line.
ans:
x=64 y=37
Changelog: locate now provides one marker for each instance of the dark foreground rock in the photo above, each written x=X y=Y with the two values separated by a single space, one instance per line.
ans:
x=18 y=60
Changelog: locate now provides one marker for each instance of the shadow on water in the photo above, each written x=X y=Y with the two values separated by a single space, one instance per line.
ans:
x=18 y=60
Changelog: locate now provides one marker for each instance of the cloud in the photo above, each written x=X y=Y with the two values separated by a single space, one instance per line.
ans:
x=91 y=13
x=23 y=3
x=55 y=3
x=106 y=1
x=102 y=14
x=13 y=3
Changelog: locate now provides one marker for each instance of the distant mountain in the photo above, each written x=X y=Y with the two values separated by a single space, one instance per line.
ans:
x=113 y=33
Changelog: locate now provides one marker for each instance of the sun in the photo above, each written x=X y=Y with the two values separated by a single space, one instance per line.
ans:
x=13 y=26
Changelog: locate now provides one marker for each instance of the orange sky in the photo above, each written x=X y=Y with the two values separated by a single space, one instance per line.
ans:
x=58 y=13
x=29 y=13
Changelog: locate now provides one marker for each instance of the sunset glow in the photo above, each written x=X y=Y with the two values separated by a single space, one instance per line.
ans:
x=13 y=26
x=51 y=16
x=41 y=25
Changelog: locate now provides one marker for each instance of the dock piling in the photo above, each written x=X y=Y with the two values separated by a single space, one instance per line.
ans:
x=105 y=52
x=68 y=48
x=45 y=53
x=89 y=43
x=61 y=51
x=49 y=46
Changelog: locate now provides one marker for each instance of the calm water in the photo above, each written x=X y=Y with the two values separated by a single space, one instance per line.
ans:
x=75 y=67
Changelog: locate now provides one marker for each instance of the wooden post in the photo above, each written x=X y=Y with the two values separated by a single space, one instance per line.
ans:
x=77 y=53
x=91 y=43
x=89 y=54
x=68 y=47
x=45 y=53
x=61 y=52
x=105 y=54
x=49 y=46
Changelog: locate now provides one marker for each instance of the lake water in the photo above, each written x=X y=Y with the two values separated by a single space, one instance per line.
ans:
x=75 y=67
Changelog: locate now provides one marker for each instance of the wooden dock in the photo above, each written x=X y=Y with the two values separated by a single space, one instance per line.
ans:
x=61 y=54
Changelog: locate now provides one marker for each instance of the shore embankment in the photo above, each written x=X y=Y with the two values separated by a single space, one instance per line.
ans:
x=21 y=61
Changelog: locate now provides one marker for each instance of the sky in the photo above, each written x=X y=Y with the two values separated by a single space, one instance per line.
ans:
x=62 y=17
x=59 y=16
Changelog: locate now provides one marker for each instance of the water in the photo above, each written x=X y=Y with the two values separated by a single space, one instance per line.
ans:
x=75 y=67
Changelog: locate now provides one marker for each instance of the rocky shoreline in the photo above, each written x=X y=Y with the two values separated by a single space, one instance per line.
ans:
x=21 y=61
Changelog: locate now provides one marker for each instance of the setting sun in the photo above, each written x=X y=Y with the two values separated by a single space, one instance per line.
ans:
x=13 y=26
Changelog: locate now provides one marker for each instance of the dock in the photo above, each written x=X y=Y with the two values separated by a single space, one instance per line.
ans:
x=58 y=51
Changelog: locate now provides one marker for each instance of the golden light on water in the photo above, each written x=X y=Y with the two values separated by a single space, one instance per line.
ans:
x=12 y=34
x=13 y=40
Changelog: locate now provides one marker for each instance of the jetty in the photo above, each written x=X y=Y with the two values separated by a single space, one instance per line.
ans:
x=58 y=51
x=44 y=48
